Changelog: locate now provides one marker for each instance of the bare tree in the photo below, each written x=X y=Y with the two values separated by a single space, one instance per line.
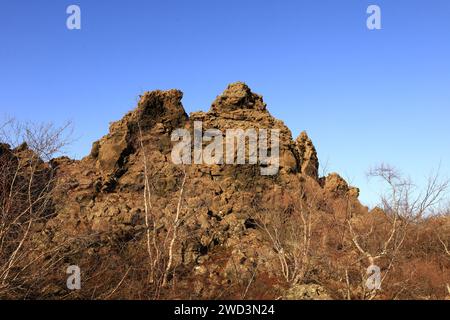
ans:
x=290 y=233
x=176 y=223
x=26 y=192
x=148 y=207
x=402 y=205
x=160 y=246
x=46 y=139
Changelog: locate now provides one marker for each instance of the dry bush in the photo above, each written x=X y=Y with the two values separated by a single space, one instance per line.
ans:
x=332 y=242
x=27 y=185
x=161 y=242
x=289 y=222
x=46 y=140
x=393 y=237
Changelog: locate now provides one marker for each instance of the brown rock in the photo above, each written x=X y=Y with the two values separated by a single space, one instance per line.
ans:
x=237 y=96
x=102 y=197
x=309 y=161
x=307 y=292
x=337 y=186
x=156 y=109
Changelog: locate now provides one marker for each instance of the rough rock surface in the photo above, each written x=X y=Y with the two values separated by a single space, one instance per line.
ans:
x=307 y=292
x=336 y=185
x=156 y=109
x=238 y=107
x=308 y=156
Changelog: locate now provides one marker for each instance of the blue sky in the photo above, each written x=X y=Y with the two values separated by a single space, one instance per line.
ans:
x=363 y=96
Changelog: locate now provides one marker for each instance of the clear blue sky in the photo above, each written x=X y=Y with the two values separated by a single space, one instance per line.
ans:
x=363 y=96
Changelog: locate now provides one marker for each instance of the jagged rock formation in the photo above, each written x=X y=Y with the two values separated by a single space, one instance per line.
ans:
x=336 y=185
x=238 y=107
x=308 y=156
x=102 y=196
x=159 y=111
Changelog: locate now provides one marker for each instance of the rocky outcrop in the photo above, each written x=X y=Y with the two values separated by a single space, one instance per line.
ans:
x=105 y=188
x=237 y=97
x=157 y=112
x=334 y=184
x=103 y=200
x=238 y=107
x=309 y=162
